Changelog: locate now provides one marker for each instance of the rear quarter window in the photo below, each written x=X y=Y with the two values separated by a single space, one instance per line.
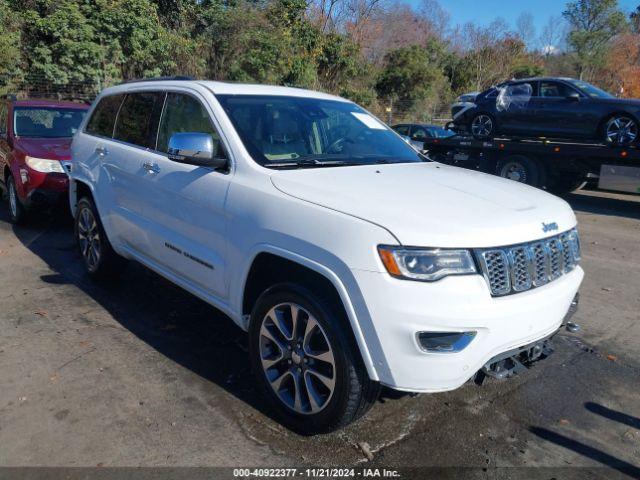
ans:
x=104 y=115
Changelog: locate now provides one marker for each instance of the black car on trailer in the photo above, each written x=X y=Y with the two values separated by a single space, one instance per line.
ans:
x=549 y=107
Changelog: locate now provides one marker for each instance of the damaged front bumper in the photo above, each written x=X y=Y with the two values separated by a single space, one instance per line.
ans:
x=512 y=362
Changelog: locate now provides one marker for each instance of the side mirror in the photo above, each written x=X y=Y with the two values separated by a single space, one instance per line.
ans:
x=194 y=148
x=574 y=97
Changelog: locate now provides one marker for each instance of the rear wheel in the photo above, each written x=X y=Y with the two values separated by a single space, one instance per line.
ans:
x=483 y=126
x=621 y=130
x=523 y=170
x=100 y=260
x=17 y=212
x=305 y=363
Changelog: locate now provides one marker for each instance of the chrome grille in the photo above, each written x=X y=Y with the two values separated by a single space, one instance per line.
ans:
x=517 y=268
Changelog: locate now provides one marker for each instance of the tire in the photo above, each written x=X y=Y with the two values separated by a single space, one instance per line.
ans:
x=620 y=130
x=522 y=169
x=482 y=126
x=17 y=212
x=100 y=260
x=286 y=357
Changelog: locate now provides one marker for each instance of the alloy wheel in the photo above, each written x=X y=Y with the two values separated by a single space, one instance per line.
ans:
x=297 y=358
x=621 y=130
x=482 y=126
x=89 y=239
x=514 y=171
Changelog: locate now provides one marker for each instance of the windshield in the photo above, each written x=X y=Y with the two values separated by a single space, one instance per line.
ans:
x=590 y=90
x=283 y=131
x=46 y=122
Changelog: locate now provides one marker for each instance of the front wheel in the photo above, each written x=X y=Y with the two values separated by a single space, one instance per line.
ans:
x=17 y=212
x=100 y=260
x=306 y=365
x=483 y=126
x=620 y=130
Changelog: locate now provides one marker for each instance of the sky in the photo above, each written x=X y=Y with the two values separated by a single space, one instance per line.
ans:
x=484 y=12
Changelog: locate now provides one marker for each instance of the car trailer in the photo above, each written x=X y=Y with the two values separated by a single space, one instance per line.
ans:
x=554 y=165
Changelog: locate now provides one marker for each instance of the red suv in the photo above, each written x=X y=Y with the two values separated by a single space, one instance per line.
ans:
x=35 y=136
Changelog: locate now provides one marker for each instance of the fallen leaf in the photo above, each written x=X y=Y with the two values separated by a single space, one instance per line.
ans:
x=366 y=449
x=564 y=421
x=613 y=358
x=606 y=289
x=41 y=313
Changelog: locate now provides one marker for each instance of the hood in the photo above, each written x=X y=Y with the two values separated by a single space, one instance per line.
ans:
x=52 y=148
x=432 y=205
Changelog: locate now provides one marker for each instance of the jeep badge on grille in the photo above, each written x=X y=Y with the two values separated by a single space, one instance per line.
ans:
x=549 y=227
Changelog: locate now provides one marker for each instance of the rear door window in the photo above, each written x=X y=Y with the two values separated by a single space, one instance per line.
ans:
x=103 y=118
x=137 y=121
x=184 y=113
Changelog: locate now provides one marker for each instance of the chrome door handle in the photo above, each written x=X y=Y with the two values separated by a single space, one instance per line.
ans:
x=102 y=151
x=151 y=167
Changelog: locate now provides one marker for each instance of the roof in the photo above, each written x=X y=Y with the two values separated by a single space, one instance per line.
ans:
x=537 y=79
x=49 y=103
x=224 y=88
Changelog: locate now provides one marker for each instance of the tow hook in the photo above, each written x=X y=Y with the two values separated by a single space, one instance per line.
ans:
x=572 y=327
x=519 y=359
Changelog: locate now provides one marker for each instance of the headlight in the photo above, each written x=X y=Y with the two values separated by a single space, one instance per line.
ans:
x=426 y=264
x=44 y=165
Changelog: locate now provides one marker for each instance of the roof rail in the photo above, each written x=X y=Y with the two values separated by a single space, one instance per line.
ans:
x=157 y=79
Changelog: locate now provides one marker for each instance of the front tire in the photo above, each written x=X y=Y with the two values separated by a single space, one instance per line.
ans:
x=482 y=126
x=621 y=130
x=100 y=260
x=305 y=363
x=17 y=212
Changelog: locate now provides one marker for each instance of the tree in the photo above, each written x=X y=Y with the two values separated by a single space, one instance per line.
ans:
x=553 y=36
x=594 y=23
x=526 y=29
x=11 y=65
x=411 y=81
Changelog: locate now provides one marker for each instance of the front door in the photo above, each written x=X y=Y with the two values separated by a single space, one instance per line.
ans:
x=562 y=115
x=186 y=204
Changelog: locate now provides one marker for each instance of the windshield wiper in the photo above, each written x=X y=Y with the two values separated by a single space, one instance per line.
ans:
x=310 y=163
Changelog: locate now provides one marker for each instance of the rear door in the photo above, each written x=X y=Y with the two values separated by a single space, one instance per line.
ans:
x=516 y=108
x=185 y=208
x=127 y=161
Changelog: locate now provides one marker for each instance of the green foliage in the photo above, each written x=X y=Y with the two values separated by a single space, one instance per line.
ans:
x=594 y=23
x=10 y=55
x=386 y=59
x=411 y=78
x=528 y=70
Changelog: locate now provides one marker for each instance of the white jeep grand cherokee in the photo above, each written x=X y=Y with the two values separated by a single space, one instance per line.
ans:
x=351 y=259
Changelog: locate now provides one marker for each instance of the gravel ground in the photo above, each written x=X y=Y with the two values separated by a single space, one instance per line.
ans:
x=143 y=374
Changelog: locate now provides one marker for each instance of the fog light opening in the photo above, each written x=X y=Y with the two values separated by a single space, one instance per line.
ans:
x=445 y=342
